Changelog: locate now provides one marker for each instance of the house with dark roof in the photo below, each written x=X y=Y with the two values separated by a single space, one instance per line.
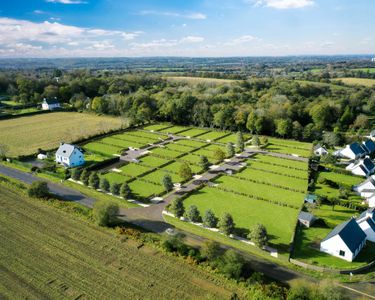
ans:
x=69 y=156
x=309 y=198
x=369 y=146
x=345 y=241
x=50 y=104
x=306 y=218
x=362 y=167
x=319 y=150
x=352 y=151
x=367 y=223
x=366 y=188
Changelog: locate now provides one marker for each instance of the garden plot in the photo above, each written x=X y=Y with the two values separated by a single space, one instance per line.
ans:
x=144 y=190
x=153 y=161
x=213 y=135
x=271 y=193
x=158 y=175
x=279 y=220
x=134 y=170
x=193 y=132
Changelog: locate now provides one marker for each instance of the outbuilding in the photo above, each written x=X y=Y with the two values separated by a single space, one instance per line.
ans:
x=50 y=104
x=306 y=218
x=319 y=150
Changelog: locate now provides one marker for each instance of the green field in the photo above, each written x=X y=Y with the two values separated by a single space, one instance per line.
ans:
x=308 y=240
x=193 y=132
x=174 y=129
x=157 y=176
x=213 y=135
x=114 y=177
x=199 y=80
x=144 y=190
x=278 y=148
x=102 y=148
x=259 y=164
x=165 y=152
x=153 y=161
x=348 y=180
x=134 y=170
x=279 y=221
x=157 y=127
x=49 y=254
x=46 y=131
x=369 y=70
x=283 y=162
x=232 y=138
x=358 y=81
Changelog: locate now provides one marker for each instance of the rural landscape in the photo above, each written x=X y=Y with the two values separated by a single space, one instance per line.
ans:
x=186 y=166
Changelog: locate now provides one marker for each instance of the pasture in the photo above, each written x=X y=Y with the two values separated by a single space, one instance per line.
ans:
x=48 y=253
x=24 y=135
x=358 y=81
x=199 y=80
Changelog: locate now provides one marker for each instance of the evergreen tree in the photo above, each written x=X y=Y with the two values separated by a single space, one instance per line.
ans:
x=258 y=235
x=204 y=163
x=193 y=213
x=240 y=142
x=104 y=184
x=177 y=207
x=226 y=224
x=115 y=189
x=94 y=180
x=76 y=173
x=255 y=141
x=219 y=155
x=125 y=191
x=230 y=150
x=85 y=175
x=167 y=182
x=185 y=172
x=209 y=219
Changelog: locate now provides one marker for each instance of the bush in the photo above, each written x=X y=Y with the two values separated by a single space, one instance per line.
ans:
x=177 y=207
x=209 y=219
x=231 y=264
x=76 y=174
x=219 y=155
x=38 y=189
x=193 y=214
x=230 y=150
x=105 y=212
x=226 y=224
x=167 y=183
x=258 y=235
x=211 y=250
x=104 y=184
x=94 y=180
x=204 y=163
x=115 y=189
x=185 y=172
x=125 y=191
x=85 y=175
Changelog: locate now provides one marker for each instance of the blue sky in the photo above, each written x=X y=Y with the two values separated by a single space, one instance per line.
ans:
x=65 y=28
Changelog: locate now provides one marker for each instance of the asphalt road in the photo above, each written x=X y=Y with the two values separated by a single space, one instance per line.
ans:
x=270 y=269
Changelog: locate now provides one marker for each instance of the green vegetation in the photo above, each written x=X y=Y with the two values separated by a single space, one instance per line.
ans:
x=105 y=212
x=46 y=131
x=358 y=81
x=38 y=189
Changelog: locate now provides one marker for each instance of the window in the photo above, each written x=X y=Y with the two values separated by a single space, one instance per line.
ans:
x=342 y=253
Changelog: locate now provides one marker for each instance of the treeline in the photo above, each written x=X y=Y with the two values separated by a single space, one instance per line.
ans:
x=276 y=107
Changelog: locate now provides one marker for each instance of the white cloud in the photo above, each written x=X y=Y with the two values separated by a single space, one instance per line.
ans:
x=67 y=1
x=194 y=15
x=192 y=39
x=242 y=40
x=39 y=12
x=282 y=4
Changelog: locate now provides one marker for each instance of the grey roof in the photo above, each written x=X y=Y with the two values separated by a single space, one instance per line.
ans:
x=357 y=149
x=306 y=216
x=350 y=232
x=66 y=150
x=369 y=145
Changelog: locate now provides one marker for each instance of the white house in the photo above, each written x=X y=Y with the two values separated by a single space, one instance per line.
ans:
x=69 y=156
x=50 y=104
x=367 y=223
x=42 y=156
x=352 y=151
x=366 y=188
x=345 y=241
x=320 y=150
x=363 y=167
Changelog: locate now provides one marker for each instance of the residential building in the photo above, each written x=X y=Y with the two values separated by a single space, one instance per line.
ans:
x=50 y=104
x=69 y=155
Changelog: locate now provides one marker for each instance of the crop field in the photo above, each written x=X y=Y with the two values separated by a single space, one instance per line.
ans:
x=358 y=81
x=46 y=131
x=308 y=240
x=49 y=254
x=279 y=220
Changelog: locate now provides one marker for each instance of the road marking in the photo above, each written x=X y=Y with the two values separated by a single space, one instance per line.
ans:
x=356 y=291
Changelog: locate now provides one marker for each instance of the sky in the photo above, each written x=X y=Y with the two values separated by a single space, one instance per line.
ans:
x=210 y=28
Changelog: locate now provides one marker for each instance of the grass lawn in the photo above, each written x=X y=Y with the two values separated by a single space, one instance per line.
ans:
x=271 y=178
x=157 y=127
x=213 y=135
x=124 y=144
x=46 y=131
x=278 y=220
x=290 y=143
x=150 y=135
x=342 y=178
x=358 y=81
x=158 y=175
x=308 y=240
x=53 y=254
x=93 y=158
x=144 y=190
x=153 y=161
x=193 y=132
x=102 y=148
x=116 y=177
x=232 y=138
x=137 y=139
x=164 y=152
x=175 y=129
x=287 y=150
x=134 y=170
x=278 y=169
x=175 y=167
x=191 y=143
x=179 y=148
x=190 y=158
x=268 y=192
x=289 y=163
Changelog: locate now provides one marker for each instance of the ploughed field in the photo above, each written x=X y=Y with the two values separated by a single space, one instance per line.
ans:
x=48 y=253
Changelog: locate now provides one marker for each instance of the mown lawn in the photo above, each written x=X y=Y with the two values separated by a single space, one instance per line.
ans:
x=121 y=143
x=47 y=253
x=174 y=129
x=193 y=132
x=25 y=135
x=276 y=168
x=153 y=161
x=175 y=167
x=103 y=148
x=158 y=175
x=264 y=191
x=113 y=177
x=232 y=138
x=287 y=150
x=178 y=147
x=290 y=143
x=134 y=170
x=289 y=163
x=165 y=152
x=143 y=190
x=157 y=127
x=342 y=178
x=278 y=220
x=308 y=240
x=213 y=135
x=191 y=143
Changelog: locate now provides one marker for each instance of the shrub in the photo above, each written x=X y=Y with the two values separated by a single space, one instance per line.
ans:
x=85 y=175
x=115 y=188
x=167 y=183
x=231 y=264
x=219 y=155
x=258 y=234
x=105 y=212
x=230 y=150
x=38 y=189
x=193 y=214
x=104 y=184
x=209 y=219
x=185 y=172
x=226 y=224
x=211 y=250
x=204 y=163
x=177 y=207
x=255 y=141
x=76 y=174
x=94 y=180
x=125 y=191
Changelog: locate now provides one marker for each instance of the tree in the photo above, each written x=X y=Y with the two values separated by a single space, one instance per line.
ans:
x=230 y=150
x=85 y=175
x=105 y=212
x=255 y=141
x=104 y=184
x=204 y=163
x=115 y=188
x=300 y=291
x=226 y=224
x=283 y=127
x=331 y=139
x=361 y=122
x=3 y=151
x=263 y=140
x=177 y=207
x=38 y=189
x=211 y=250
x=76 y=174
x=240 y=143
x=209 y=219
x=193 y=214
x=167 y=182
x=297 y=130
x=219 y=155
x=94 y=180
x=231 y=264
x=125 y=191
x=185 y=172
x=258 y=235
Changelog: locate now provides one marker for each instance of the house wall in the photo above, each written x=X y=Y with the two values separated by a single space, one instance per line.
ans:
x=347 y=152
x=76 y=159
x=370 y=234
x=333 y=247
x=364 y=186
x=371 y=201
x=359 y=171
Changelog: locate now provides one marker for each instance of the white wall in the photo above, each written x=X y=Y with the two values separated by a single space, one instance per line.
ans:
x=370 y=234
x=333 y=247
